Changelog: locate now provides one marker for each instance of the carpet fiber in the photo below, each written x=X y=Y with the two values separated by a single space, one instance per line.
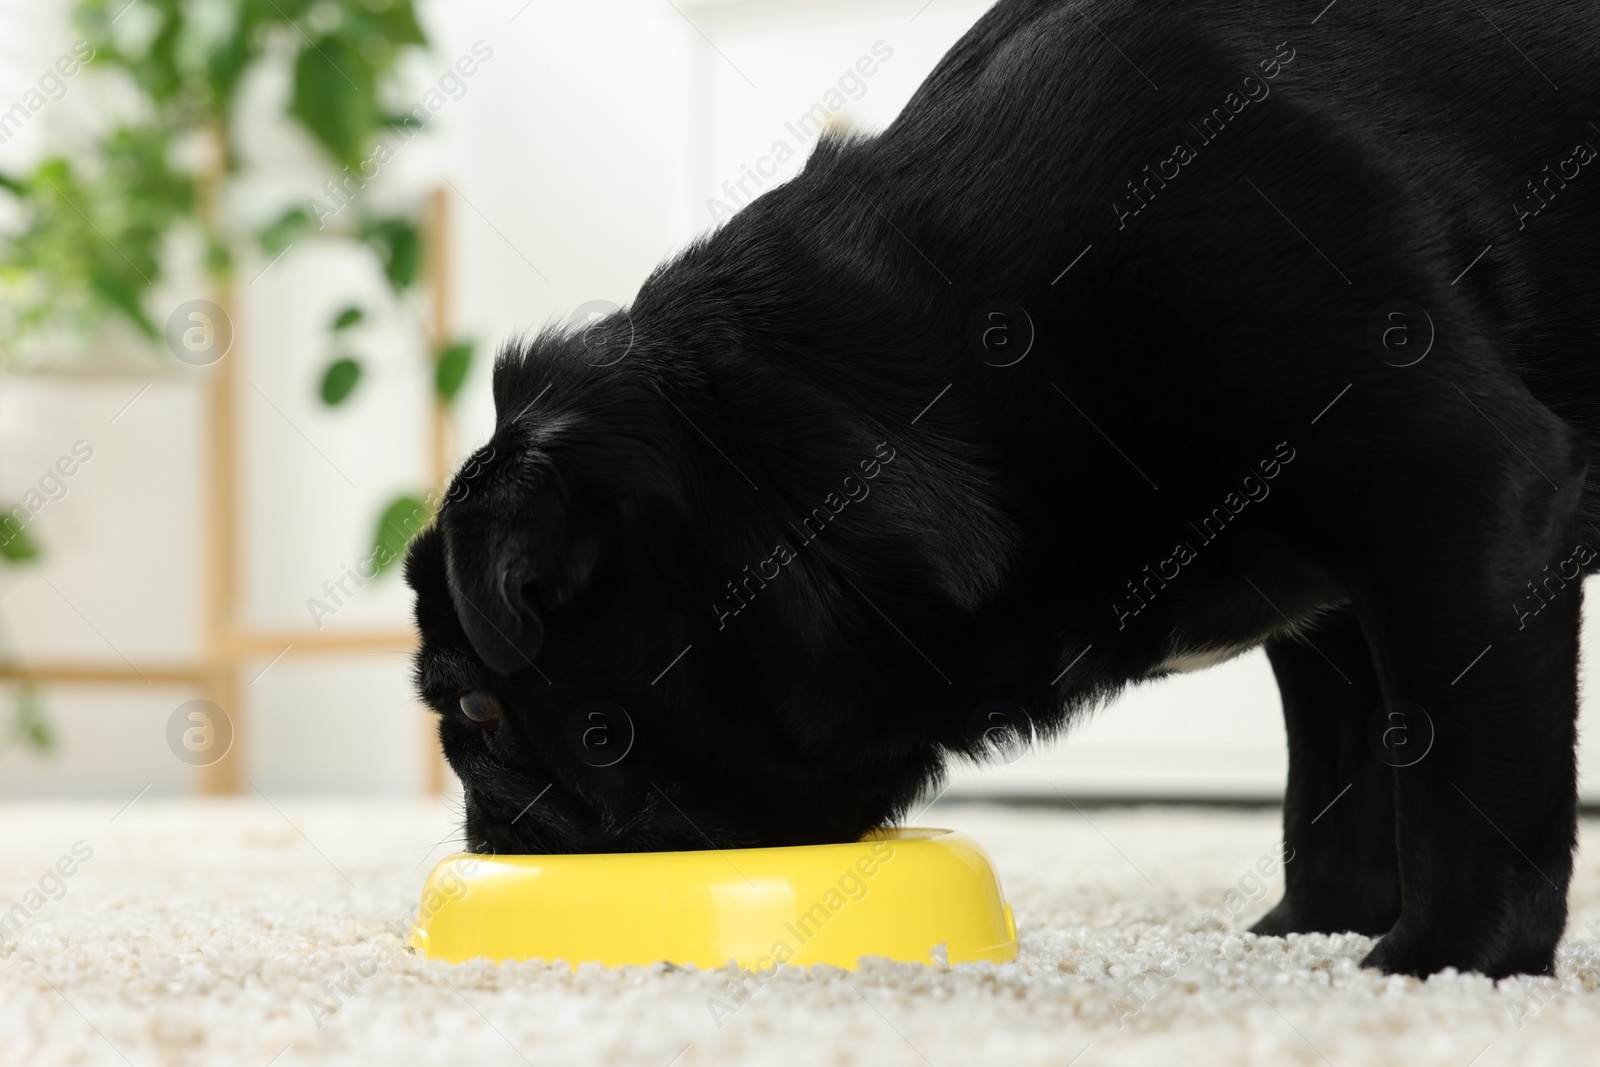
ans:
x=262 y=931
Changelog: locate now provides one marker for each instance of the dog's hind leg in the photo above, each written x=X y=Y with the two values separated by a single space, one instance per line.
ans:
x=1441 y=547
x=1341 y=871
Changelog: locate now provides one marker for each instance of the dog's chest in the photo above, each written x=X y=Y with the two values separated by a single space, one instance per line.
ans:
x=1186 y=660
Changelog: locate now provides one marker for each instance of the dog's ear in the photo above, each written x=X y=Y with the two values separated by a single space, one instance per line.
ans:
x=518 y=544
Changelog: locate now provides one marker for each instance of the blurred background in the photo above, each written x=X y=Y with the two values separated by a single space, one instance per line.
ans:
x=255 y=259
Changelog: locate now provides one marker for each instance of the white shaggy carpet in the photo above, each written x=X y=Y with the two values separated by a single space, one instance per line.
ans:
x=212 y=933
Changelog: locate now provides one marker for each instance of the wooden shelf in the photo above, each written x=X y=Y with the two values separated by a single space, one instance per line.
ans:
x=66 y=672
x=228 y=646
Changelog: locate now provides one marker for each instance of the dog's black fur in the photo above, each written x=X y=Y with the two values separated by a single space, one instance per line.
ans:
x=1213 y=372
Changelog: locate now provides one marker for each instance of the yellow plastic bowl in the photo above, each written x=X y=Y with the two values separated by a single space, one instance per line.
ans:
x=897 y=893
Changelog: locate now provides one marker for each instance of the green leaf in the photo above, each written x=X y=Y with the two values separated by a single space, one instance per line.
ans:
x=115 y=290
x=158 y=70
x=350 y=316
x=219 y=261
x=398 y=23
x=404 y=256
x=290 y=227
x=404 y=518
x=450 y=370
x=398 y=245
x=37 y=733
x=228 y=60
x=406 y=121
x=336 y=98
x=339 y=381
x=15 y=544
x=29 y=724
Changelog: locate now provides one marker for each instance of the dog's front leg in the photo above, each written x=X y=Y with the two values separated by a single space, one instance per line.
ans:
x=1341 y=871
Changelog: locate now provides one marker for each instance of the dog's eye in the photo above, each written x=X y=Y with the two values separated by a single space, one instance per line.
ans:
x=480 y=707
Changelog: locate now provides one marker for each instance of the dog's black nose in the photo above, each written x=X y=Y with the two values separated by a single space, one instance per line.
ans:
x=481 y=708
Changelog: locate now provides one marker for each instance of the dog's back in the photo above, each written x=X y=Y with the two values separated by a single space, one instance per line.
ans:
x=1456 y=144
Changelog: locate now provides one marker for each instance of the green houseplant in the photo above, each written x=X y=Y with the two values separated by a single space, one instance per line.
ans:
x=97 y=223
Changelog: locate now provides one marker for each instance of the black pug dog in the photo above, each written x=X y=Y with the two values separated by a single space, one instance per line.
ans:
x=1145 y=335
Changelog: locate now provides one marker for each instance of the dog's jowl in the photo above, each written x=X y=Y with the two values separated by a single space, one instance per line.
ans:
x=1128 y=346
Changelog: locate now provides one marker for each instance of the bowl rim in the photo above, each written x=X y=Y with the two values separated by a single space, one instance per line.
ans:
x=896 y=834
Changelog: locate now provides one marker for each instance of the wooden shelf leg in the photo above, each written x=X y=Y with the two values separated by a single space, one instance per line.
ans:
x=442 y=447
x=220 y=607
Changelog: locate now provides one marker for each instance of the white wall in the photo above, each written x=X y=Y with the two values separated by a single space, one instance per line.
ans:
x=584 y=151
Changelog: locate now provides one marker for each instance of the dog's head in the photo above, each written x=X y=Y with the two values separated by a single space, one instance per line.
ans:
x=620 y=657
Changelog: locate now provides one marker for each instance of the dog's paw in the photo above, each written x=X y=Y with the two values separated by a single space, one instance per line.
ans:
x=1420 y=954
x=1291 y=917
x=1397 y=954
x=1282 y=921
